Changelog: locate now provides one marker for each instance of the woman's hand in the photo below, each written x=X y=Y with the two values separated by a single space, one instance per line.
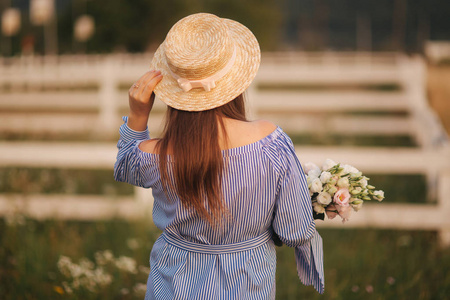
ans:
x=141 y=98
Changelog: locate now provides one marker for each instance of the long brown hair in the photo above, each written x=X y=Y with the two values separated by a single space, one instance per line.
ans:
x=192 y=138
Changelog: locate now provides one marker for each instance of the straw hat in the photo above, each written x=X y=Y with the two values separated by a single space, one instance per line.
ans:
x=206 y=62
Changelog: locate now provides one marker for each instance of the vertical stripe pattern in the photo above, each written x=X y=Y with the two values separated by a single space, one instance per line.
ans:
x=265 y=191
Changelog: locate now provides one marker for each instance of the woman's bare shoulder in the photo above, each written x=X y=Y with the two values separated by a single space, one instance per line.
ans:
x=148 y=146
x=242 y=133
x=264 y=127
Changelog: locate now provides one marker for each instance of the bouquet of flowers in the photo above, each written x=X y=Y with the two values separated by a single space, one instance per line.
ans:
x=337 y=189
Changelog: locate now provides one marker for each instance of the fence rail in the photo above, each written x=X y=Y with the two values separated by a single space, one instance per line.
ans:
x=39 y=95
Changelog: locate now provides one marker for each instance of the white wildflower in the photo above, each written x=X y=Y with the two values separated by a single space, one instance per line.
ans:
x=133 y=244
x=140 y=289
x=15 y=219
x=390 y=280
x=63 y=265
x=102 y=277
x=76 y=284
x=103 y=257
x=144 y=269
x=86 y=264
x=67 y=288
x=126 y=264
x=76 y=270
x=124 y=291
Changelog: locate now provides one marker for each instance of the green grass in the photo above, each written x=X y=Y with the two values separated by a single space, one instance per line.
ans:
x=48 y=87
x=444 y=62
x=30 y=252
x=353 y=140
x=377 y=113
x=57 y=137
x=301 y=139
x=402 y=188
x=394 y=264
x=399 y=188
x=380 y=87
x=61 y=181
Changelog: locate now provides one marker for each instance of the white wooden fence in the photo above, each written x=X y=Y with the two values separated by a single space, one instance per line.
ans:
x=33 y=85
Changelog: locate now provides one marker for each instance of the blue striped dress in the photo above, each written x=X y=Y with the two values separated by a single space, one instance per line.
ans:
x=265 y=192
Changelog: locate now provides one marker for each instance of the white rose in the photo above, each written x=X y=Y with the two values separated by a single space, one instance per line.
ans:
x=328 y=164
x=309 y=166
x=343 y=182
x=318 y=208
x=349 y=169
x=378 y=195
x=324 y=198
x=316 y=186
x=325 y=176
x=314 y=173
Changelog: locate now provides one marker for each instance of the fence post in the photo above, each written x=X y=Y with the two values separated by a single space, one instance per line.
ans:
x=108 y=120
x=444 y=207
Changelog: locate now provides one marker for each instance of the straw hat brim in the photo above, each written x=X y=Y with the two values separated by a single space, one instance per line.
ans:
x=234 y=83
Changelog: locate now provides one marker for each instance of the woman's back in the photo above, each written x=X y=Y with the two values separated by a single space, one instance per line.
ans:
x=239 y=133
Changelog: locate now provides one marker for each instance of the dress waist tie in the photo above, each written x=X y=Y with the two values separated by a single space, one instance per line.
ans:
x=178 y=242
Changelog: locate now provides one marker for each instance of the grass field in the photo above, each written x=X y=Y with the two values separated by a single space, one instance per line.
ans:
x=359 y=264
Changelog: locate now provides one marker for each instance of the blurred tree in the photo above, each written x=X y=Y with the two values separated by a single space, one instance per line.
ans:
x=141 y=25
x=399 y=25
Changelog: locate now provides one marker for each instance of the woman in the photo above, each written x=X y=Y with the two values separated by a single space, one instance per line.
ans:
x=224 y=188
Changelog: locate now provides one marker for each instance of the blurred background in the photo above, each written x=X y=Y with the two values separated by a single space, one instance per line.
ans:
x=361 y=82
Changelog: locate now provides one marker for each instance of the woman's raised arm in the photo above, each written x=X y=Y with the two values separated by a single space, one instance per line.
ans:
x=141 y=98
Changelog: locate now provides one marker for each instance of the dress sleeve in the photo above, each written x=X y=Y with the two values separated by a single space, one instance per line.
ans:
x=128 y=167
x=293 y=221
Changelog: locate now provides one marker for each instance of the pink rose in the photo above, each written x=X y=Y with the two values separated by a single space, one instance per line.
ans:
x=344 y=212
x=341 y=197
x=331 y=211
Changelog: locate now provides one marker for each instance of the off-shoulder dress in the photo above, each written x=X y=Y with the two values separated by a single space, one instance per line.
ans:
x=265 y=193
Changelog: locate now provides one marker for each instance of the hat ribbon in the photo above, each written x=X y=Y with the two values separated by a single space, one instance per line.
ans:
x=207 y=83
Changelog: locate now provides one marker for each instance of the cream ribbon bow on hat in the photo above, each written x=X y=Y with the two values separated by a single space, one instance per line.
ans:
x=207 y=83
x=187 y=85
